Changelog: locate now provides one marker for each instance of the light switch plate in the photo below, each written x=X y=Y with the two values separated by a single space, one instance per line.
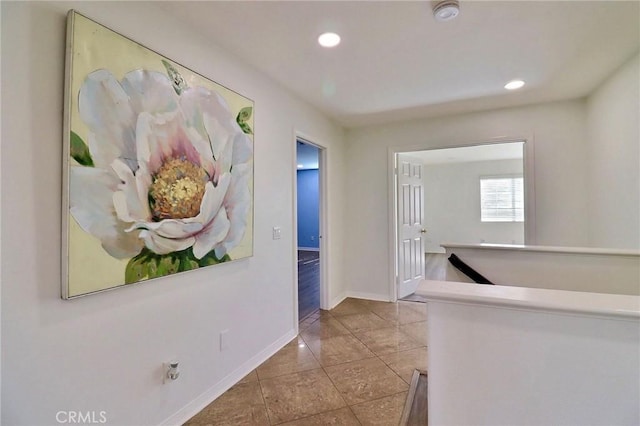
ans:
x=277 y=232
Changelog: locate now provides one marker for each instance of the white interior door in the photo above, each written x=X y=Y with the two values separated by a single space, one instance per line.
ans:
x=411 y=231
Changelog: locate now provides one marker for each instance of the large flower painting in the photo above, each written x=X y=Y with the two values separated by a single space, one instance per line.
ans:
x=158 y=165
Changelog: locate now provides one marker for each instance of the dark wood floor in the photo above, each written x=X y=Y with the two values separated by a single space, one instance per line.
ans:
x=308 y=283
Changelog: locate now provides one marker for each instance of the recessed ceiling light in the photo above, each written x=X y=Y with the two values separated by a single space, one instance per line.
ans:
x=329 y=40
x=514 y=84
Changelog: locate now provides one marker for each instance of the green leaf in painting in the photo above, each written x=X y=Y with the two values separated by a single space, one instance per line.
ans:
x=147 y=264
x=165 y=265
x=80 y=151
x=245 y=114
x=137 y=268
x=241 y=119
x=211 y=259
x=176 y=79
x=245 y=128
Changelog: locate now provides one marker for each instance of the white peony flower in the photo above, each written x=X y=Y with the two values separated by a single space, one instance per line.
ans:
x=171 y=171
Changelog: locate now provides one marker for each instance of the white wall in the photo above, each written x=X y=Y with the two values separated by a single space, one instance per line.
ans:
x=104 y=352
x=491 y=365
x=452 y=204
x=558 y=133
x=613 y=136
x=590 y=270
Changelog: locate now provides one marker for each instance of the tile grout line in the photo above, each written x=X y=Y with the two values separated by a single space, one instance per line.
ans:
x=381 y=360
x=352 y=333
x=317 y=317
x=298 y=336
x=328 y=377
x=354 y=414
x=397 y=325
x=349 y=332
x=378 y=399
x=264 y=401
x=325 y=371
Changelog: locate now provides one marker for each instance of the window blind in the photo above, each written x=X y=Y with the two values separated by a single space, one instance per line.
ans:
x=502 y=199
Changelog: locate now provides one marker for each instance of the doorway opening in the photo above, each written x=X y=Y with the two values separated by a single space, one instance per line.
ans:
x=308 y=223
x=469 y=194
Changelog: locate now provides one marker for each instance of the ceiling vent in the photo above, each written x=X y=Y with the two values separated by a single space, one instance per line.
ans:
x=445 y=10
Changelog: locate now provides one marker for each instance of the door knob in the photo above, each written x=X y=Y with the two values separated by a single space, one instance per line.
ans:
x=423 y=231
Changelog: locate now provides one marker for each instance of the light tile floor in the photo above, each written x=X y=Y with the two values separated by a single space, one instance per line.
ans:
x=348 y=366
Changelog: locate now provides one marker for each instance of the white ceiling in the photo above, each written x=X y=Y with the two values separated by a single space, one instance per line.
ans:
x=396 y=62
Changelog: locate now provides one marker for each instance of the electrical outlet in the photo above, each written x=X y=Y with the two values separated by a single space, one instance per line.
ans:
x=170 y=371
x=224 y=340
x=277 y=232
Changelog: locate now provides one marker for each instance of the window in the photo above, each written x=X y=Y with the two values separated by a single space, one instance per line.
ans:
x=502 y=198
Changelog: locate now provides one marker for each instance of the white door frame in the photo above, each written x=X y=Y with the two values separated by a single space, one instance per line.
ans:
x=323 y=225
x=529 y=193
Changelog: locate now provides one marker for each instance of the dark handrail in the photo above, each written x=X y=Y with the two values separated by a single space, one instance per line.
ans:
x=468 y=270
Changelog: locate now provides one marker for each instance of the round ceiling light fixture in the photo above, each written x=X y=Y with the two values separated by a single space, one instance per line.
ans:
x=446 y=10
x=514 y=84
x=329 y=40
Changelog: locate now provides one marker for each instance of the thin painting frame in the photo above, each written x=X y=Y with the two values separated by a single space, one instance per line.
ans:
x=157 y=165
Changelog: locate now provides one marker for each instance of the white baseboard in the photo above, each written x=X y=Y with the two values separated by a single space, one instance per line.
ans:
x=368 y=296
x=336 y=301
x=308 y=249
x=358 y=295
x=206 y=398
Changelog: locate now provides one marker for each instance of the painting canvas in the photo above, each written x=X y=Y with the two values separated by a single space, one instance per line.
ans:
x=158 y=165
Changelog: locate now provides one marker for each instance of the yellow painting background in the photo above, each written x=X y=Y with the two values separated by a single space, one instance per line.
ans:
x=94 y=47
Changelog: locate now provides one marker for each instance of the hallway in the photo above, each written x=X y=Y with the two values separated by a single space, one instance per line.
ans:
x=348 y=366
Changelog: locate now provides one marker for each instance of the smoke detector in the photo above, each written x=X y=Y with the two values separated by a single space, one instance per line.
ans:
x=445 y=10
